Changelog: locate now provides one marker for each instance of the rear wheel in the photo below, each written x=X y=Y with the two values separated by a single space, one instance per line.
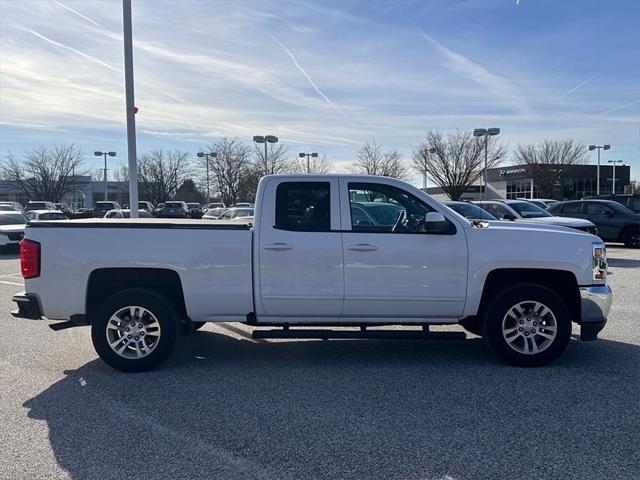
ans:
x=527 y=325
x=134 y=330
x=631 y=237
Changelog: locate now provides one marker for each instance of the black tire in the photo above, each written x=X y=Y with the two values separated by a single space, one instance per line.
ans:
x=500 y=309
x=163 y=311
x=631 y=237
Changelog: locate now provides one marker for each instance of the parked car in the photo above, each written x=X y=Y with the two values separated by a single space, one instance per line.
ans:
x=174 y=209
x=63 y=207
x=11 y=229
x=374 y=214
x=101 y=208
x=519 y=210
x=147 y=206
x=213 y=205
x=45 y=215
x=242 y=204
x=195 y=210
x=10 y=206
x=470 y=211
x=305 y=263
x=126 y=213
x=615 y=222
x=234 y=214
x=541 y=202
x=39 y=206
x=629 y=200
x=214 y=213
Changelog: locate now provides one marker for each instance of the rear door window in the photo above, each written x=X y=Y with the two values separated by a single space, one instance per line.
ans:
x=574 y=208
x=303 y=206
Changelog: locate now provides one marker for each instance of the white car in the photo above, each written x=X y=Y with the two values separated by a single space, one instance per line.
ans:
x=45 y=215
x=541 y=202
x=234 y=215
x=306 y=263
x=126 y=213
x=12 y=225
x=523 y=210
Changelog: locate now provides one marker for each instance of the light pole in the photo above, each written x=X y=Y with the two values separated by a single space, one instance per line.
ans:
x=206 y=156
x=486 y=133
x=613 y=187
x=265 y=139
x=308 y=155
x=98 y=153
x=598 y=147
x=130 y=108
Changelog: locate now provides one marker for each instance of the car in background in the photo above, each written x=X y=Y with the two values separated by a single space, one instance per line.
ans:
x=234 y=215
x=520 y=210
x=101 y=208
x=11 y=229
x=213 y=213
x=126 y=213
x=212 y=205
x=45 y=215
x=174 y=209
x=195 y=210
x=469 y=211
x=615 y=222
x=629 y=200
x=10 y=206
x=541 y=202
x=38 y=205
x=375 y=214
x=242 y=204
x=146 y=206
x=156 y=210
x=63 y=207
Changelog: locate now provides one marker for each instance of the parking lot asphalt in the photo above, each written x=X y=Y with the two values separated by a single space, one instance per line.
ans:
x=228 y=407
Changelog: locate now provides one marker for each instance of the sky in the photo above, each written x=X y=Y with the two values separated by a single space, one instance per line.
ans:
x=324 y=76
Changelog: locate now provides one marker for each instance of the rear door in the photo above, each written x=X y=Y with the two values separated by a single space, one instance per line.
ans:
x=605 y=219
x=300 y=266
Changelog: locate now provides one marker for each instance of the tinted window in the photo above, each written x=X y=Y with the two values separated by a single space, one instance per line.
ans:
x=598 y=209
x=495 y=209
x=529 y=210
x=471 y=211
x=303 y=206
x=572 y=208
x=376 y=207
x=52 y=216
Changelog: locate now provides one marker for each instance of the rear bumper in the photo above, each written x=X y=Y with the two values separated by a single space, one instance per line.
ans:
x=595 y=303
x=28 y=306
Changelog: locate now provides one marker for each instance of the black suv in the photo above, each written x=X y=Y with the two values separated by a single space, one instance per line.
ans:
x=615 y=222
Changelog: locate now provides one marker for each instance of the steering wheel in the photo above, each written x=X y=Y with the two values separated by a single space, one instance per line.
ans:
x=402 y=216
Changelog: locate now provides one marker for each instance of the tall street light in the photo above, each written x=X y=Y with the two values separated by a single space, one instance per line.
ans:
x=486 y=133
x=308 y=155
x=130 y=108
x=613 y=187
x=207 y=156
x=265 y=139
x=598 y=147
x=98 y=153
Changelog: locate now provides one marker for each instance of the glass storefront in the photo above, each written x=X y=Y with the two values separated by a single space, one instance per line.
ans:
x=520 y=189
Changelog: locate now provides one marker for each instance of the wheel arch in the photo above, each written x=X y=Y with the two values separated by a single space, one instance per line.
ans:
x=105 y=282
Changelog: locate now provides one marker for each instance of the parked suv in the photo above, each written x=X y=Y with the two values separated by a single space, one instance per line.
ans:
x=39 y=206
x=174 y=209
x=615 y=222
x=100 y=208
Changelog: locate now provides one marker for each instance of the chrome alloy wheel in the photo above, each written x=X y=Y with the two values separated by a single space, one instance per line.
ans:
x=133 y=332
x=529 y=327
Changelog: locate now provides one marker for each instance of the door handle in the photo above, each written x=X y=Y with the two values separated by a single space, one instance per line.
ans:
x=278 y=246
x=362 y=247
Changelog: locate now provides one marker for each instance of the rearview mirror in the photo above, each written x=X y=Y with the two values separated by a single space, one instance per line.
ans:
x=434 y=222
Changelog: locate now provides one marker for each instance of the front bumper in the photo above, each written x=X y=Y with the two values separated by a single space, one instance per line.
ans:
x=595 y=304
x=28 y=306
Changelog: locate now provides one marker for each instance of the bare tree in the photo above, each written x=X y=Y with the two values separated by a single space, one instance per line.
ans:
x=549 y=160
x=316 y=165
x=277 y=158
x=232 y=163
x=161 y=172
x=46 y=173
x=457 y=160
x=372 y=160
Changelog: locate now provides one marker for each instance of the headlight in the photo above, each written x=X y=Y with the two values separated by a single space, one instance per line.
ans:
x=599 y=261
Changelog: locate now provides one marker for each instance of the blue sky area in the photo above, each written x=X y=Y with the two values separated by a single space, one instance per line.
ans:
x=323 y=76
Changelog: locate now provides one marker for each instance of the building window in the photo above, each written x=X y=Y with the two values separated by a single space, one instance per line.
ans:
x=520 y=189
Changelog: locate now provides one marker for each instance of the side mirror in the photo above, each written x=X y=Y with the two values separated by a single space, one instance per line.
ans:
x=434 y=222
x=509 y=216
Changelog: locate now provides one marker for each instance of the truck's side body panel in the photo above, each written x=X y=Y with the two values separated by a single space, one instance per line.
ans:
x=214 y=266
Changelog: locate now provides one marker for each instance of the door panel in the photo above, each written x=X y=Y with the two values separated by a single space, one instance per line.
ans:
x=300 y=251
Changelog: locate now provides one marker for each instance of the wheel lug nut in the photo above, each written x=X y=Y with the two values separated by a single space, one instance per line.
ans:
x=533 y=330
x=140 y=325
x=141 y=334
x=126 y=329
x=521 y=322
x=526 y=334
x=535 y=323
x=128 y=336
x=519 y=329
x=133 y=324
x=528 y=319
x=136 y=339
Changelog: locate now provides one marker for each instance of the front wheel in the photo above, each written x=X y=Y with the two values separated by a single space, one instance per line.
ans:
x=527 y=325
x=631 y=238
x=134 y=330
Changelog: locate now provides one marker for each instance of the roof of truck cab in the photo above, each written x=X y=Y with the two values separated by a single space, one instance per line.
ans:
x=180 y=223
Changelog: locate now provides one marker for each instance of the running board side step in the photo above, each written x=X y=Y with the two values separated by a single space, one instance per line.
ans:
x=326 y=334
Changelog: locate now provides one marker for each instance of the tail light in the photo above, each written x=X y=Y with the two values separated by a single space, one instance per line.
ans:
x=29 y=258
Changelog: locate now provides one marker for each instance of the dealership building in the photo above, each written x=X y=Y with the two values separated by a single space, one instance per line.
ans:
x=516 y=182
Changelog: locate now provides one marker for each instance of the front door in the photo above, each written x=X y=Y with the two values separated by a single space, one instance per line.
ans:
x=300 y=250
x=393 y=267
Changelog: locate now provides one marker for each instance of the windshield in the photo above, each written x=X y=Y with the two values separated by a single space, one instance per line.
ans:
x=529 y=210
x=471 y=211
x=12 y=219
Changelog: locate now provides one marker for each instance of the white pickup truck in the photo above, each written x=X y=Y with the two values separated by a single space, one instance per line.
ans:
x=324 y=251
